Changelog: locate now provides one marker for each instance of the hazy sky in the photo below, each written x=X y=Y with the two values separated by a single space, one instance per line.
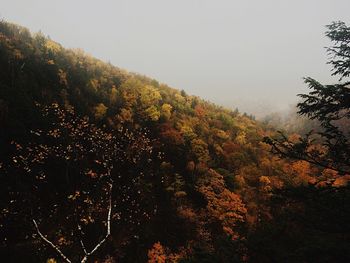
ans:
x=249 y=54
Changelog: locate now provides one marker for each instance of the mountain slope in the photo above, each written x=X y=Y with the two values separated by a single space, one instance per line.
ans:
x=191 y=180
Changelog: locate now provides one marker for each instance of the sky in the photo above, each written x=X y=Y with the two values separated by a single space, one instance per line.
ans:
x=250 y=54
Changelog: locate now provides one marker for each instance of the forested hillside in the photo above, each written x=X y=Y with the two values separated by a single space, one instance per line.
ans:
x=98 y=164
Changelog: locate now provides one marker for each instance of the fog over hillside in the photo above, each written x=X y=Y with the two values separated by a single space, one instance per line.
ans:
x=246 y=54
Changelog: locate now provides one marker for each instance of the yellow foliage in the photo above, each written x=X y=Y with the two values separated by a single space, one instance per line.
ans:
x=149 y=95
x=179 y=98
x=52 y=46
x=241 y=138
x=218 y=149
x=200 y=150
x=113 y=96
x=94 y=84
x=222 y=135
x=100 y=111
x=166 y=111
x=152 y=113
x=187 y=131
x=129 y=98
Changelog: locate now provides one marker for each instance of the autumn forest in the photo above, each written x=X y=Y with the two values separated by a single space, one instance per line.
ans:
x=98 y=164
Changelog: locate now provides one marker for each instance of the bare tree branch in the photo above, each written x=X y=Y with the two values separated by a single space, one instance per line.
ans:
x=81 y=240
x=99 y=244
x=50 y=243
x=108 y=228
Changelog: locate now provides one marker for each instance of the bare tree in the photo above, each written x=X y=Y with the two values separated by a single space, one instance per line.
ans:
x=71 y=165
x=87 y=253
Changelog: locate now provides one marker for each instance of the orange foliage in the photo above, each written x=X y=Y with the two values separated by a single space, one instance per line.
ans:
x=160 y=254
x=230 y=147
x=223 y=205
x=157 y=254
x=199 y=111
x=300 y=171
x=171 y=135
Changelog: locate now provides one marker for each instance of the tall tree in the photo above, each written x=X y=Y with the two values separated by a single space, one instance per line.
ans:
x=330 y=106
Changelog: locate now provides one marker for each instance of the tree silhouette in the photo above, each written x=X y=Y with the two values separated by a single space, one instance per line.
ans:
x=84 y=177
x=330 y=106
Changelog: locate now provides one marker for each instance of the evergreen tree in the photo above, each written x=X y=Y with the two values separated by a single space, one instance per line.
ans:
x=330 y=106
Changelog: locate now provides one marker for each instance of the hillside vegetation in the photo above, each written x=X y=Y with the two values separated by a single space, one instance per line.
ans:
x=93 y=156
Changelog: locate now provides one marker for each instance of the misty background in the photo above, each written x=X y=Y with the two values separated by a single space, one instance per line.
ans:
x=246 y=54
